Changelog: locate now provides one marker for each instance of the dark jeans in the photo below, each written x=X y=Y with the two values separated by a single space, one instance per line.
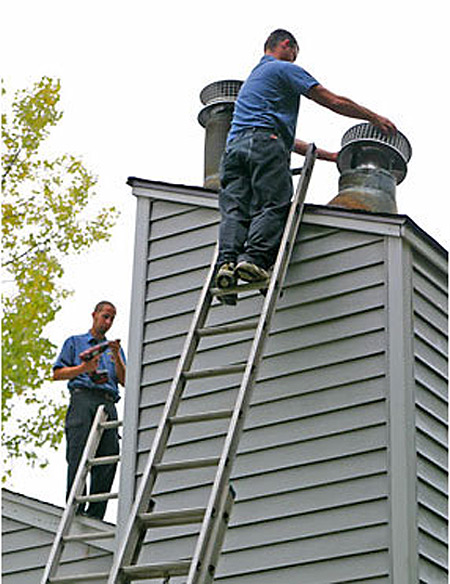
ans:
x=80 y=415
x=256 y=190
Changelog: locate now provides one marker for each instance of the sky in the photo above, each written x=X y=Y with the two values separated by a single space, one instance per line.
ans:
x=131 y=74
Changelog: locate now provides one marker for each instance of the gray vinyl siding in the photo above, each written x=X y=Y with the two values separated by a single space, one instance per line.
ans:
x=312 y=474
x=430 y=312
x=24 y=550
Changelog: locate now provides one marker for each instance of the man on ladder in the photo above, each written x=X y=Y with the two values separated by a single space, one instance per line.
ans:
x=87 y=393
x=256 y=182
x=258 y=229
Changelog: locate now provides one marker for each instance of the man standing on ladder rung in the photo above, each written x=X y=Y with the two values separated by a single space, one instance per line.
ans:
x=92 y=382
x=256 y=182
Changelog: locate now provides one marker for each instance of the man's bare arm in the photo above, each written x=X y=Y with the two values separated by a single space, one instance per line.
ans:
x=346 y=107
x=300 y=147
x=62 y=373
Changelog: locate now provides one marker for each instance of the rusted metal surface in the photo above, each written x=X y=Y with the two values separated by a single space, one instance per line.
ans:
x=371 y=165
x=218 y=98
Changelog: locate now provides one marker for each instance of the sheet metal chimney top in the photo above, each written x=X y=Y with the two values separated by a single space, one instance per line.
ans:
x=218 y=98
x=371 y=165
x=365 y=146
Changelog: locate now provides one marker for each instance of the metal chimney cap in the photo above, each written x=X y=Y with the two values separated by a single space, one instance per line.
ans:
x=220 y=92
x=218 y=96
x=363 y=140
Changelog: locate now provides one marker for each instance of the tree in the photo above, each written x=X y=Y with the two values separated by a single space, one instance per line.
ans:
x=47 y=216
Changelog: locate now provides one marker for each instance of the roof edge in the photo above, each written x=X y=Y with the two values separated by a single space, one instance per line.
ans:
x=391 y=224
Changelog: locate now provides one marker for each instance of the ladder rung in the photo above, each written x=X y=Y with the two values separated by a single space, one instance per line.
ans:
x=214 y=372
x=111 y=424
x=79 y=578
x=227 y=328
x=248 y=287
x=186 y=464
x=202 y=417
x=164 y=570
x=90 y=535
x=168 y=518
x=96 y=498
x=103 y=460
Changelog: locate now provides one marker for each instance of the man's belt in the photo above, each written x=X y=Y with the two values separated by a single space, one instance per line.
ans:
x=96 y=391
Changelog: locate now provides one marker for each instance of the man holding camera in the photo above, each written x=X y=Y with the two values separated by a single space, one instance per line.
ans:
x=94 y=374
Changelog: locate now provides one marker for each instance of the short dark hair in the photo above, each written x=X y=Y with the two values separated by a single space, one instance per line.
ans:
x=102 y=304
x=276 y=37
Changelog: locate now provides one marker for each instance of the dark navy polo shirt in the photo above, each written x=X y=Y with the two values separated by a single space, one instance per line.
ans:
x=70 y=357
x=270 y=97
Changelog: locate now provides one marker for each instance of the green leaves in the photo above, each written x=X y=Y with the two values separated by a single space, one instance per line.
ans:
x=47 y=215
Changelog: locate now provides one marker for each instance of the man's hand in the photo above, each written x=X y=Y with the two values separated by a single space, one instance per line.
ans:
x=115 y=348
x=120 y=365
x=90 y=366
x=300 y=147
x=70 y=372
x=385 y=125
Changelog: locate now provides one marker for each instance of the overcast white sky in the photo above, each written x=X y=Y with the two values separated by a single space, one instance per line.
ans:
x=131 y=74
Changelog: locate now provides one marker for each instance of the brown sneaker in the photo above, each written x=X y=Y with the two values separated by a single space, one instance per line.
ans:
x=226 y=277
x=251 y=272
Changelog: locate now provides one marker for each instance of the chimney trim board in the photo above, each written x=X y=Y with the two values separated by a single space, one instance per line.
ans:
x=178 y=196
x=423 y=243
x=356 y=220
x=135 y=341
x=400 y=377
x=377 y=225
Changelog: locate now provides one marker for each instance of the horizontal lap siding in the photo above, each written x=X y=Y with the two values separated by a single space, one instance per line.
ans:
x=25 y=550
x=430 y=353
x=311 y=474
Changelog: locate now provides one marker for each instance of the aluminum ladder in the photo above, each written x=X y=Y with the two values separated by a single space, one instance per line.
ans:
x=76 y=496
x=213 y=519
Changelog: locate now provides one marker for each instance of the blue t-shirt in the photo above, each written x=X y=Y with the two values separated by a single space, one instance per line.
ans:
x=270 y=97
x=70 y=357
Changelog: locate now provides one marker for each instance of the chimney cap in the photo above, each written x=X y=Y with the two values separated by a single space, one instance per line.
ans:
x=368 y=137
x=220 y=92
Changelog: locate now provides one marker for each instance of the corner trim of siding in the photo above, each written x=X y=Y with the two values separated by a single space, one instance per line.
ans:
x=434 y=253
x=133 y=379
x=404 y=545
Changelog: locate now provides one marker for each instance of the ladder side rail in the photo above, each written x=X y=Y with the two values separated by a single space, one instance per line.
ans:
x=218 y=533
x=248 y=381
x=126 y=549
x=78 y=485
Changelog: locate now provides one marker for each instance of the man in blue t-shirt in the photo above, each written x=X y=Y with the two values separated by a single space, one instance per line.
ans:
x=256 y=182
x=88 y=390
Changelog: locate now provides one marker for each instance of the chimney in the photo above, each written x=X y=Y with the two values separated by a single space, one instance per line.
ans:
x=218 y=99
x=371 y=165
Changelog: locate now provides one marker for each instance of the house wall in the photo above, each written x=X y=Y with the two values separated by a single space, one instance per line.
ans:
x=430 y=340
x=341 y=474
x=314 y=475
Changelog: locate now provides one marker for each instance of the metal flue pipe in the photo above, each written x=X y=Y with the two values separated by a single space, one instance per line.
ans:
x=371 y=165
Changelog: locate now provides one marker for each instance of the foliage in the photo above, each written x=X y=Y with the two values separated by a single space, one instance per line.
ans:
x=47 y=216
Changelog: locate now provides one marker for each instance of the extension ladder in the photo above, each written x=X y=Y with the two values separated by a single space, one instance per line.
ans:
x=76 y=497
x=213 y=519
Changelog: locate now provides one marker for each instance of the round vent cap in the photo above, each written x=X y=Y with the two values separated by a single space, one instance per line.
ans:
x=220 y=91
x=365 y=146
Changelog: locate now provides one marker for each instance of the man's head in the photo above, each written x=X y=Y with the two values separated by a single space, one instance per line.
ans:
x=282 y=45
x=103 y=318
